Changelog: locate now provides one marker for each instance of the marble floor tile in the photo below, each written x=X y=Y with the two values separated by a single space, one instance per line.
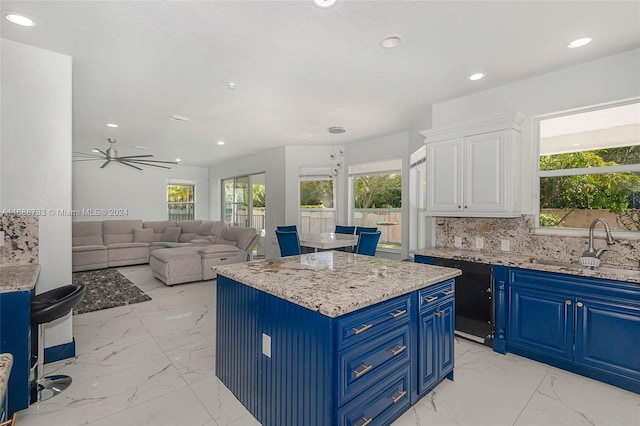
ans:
x=153 y=363
x=567 y=399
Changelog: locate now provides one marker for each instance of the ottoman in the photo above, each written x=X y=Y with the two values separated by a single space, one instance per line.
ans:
x=176 y=265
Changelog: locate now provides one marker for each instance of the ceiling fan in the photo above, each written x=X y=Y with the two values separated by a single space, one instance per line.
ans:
x=111 y=154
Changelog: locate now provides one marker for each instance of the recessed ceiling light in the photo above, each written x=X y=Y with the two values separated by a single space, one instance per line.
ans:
x=391 y=42
x=112 y=125
x=324 y=3
x=140 y=147
x=178 y=160
x=95 y=150
x=19 y=19
x=220 y=142
x=231 y=85
x=336 y=130
x=476 y=76
x=579 y=42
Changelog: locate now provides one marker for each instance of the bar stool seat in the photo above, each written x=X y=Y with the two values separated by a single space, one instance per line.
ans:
x=45 y=308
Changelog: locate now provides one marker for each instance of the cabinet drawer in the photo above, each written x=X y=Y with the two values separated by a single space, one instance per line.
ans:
x=371 y=321
x=381 y=404
x=367 y=362
x=431 y=296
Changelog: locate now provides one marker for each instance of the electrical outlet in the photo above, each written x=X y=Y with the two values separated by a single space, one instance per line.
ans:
x=266 y=345
x=505 y=245
x=479 y=243
x=457 y=241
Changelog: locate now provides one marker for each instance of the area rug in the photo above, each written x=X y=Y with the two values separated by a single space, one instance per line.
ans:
x=106 y=288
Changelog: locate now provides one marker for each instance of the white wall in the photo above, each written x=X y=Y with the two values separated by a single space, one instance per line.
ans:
x=36 y=157
x=385 y=148
x=141 y=193
x=609 y=79
x=272 y=164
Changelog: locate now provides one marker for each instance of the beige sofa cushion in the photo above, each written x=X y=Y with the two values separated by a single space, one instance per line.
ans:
x=218 y=249
x=159 y=226
x=144 y=236
x=119 y=231
x=171 y=234
x=86 y=233
x=189 y=229
x=244 y=237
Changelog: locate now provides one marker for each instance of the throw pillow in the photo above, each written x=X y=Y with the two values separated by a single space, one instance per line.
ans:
x=144 y=235
x=171 y=234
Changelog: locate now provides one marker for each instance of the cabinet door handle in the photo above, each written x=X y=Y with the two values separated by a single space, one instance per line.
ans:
x=568 y=302
x=399 y=397
x=579 y=305
x=399 y=312
x=448 y=292
x=459 y=207
x=364 y=328
x=366 y=369
x=431 y=299
x=398 y=351
x=366 y=421
x=439 y=314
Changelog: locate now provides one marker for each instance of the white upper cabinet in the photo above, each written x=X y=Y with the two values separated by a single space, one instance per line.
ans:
x=473 y=169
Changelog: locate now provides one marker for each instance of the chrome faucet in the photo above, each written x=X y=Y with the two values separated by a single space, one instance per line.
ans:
x=591 y=252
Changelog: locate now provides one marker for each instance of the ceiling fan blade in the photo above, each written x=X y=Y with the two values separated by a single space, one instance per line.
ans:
x=105 y=164
x=84 y=154
x=75 y=160
x=127 y=163
x=101 y=152
x=135 y=156
x=149 y=164
x=157 y=161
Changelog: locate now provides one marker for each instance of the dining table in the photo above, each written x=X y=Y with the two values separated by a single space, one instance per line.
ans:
x=327 y=240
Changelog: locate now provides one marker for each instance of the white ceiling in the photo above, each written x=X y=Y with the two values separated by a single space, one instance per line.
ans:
x=298 y=68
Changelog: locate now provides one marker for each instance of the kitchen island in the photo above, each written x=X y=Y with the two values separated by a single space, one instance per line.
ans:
x=333 y=338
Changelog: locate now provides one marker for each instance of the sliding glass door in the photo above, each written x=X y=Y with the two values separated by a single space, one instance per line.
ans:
x=243 y=204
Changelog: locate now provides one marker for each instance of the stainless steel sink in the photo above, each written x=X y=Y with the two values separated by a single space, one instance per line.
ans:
x=606 y=269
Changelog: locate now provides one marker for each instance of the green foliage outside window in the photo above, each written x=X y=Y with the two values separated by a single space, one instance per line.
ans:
x=613 y=192
x=378 y=191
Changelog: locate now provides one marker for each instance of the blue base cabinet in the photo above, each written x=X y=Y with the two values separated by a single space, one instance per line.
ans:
x=590 y=326
x=15 y=338
x=289 y=365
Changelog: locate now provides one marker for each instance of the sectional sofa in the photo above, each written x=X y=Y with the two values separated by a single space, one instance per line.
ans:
x=163 y=244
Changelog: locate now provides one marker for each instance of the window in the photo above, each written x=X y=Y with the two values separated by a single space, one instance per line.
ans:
x=317 y=201
x=181 y=201
x=376 y=190
x=589 y=167
x=244 y=199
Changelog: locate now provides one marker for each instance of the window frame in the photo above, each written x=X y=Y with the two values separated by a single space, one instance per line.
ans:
x=174 y=182
x=539 y=174
x=317 y=174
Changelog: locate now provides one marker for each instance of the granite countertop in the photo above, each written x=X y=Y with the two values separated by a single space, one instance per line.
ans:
x=18 y=277
x=524 y=262
x=6 y=361
x=335 y=283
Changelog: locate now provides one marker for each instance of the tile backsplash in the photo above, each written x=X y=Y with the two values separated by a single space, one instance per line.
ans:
x=20 y=240
x=523 y=241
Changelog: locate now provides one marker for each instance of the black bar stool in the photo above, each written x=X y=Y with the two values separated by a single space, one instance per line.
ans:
x=47 y=307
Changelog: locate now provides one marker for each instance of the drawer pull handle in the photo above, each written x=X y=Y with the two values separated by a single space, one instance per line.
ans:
x=399 y=397
x=579 y=305
x=448 y=292
x=398 y=351
x=431 y=299
x=366 y=421
x=366 y=369
x=439 y=313
x=364 y=328
x=568 y=302
x=399 y=312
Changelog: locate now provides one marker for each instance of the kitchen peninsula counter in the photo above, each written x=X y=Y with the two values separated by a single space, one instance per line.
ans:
x=333 y=338
x=335 y=283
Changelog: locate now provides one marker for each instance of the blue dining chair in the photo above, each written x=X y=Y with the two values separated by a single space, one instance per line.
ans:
x=367 y=243
x=289 y=243
x=360 y=229
x=287 y=228
x=340 y=229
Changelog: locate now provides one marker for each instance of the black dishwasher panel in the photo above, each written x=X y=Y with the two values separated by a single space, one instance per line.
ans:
x=473 y=299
